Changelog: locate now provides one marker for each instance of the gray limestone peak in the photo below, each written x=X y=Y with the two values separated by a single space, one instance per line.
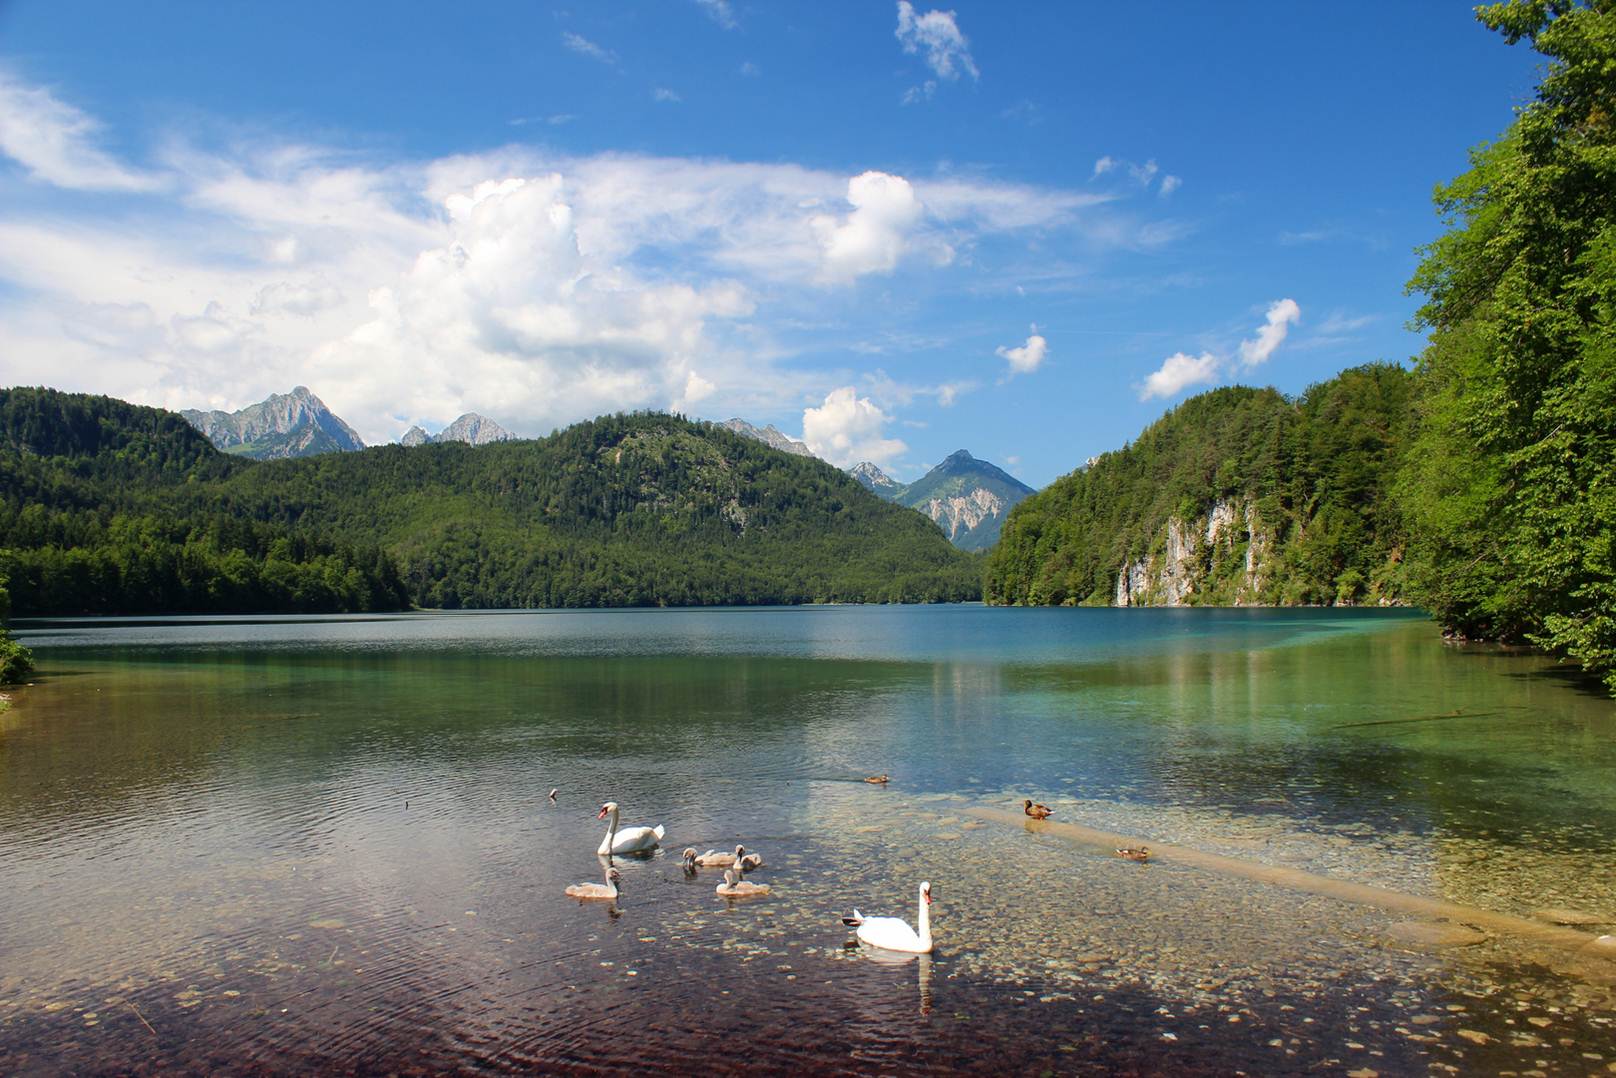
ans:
x=295 y=424
x=471 y=428
x=768 y=436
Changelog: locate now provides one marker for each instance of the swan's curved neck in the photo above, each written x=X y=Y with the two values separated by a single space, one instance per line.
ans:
x=924 y=917
x=611 y=833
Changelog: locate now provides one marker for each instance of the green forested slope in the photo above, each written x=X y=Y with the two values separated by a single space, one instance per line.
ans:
x=1314 y=472
x=622 y=510
x=108 y=507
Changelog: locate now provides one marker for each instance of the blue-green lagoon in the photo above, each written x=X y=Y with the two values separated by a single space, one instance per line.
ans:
x=293 y=844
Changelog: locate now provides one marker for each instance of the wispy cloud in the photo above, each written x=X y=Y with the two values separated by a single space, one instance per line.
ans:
x=553 y=120
x=55 y=142
x=665 y=95
x=1169 y=184
x=946 y=51
x=720 y=12
x=584 y=47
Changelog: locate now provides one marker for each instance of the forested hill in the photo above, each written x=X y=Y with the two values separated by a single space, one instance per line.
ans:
x=106 y=507
x=639 y=509
x=1237 y=495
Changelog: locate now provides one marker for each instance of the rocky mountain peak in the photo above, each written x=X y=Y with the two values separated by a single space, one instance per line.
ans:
x=295 y=424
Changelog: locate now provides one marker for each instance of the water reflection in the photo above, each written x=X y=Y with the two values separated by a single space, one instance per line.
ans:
x=329 y=843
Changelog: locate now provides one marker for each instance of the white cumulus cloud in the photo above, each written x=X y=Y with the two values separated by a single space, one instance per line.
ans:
x=938 y=35
x=1179 y=371
x=873 y=237
x=55 y=142
x=1271 y=334
x=848 y=428
x=1026 y=358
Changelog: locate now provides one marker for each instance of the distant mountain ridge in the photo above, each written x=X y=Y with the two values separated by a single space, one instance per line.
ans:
x=874 y=478
x=295 y=424
x=768 y=436
x=968 y=498
x=471 y=428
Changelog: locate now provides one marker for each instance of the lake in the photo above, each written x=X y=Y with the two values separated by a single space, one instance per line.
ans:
x=279 y=844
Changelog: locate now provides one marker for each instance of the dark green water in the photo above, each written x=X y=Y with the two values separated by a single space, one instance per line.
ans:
x=271 y=845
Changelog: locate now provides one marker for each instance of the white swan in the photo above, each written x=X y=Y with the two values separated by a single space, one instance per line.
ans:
x=626 y=839
x=597 y=891
x=893 y=933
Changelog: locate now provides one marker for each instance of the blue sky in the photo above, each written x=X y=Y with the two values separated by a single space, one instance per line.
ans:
x=893 y=230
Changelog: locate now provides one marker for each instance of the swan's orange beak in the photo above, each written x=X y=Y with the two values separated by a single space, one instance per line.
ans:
x=601 y=815
x=928 y=898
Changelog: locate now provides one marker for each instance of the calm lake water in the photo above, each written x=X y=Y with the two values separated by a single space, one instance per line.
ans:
x=293 y=844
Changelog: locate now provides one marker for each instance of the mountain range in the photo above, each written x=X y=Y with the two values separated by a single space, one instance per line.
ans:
x=298 y=424
x=471 y=428
x=295 y=424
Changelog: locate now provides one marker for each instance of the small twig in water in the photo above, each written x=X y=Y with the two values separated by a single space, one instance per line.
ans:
x=333 y=957
x=140 y=1016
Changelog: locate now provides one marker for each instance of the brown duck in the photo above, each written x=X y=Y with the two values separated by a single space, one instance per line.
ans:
x=1036 y=811
x=1134 y=853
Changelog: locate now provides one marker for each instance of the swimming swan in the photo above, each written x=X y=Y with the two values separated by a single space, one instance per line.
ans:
x=715 y=859
x=626 y=839
x=599 y=891
x=893 y=933
x=734 y=887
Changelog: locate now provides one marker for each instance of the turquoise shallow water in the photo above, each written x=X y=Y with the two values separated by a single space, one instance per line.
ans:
x=273 y=844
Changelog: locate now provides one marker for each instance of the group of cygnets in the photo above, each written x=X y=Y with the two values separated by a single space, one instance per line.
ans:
x=891 y=933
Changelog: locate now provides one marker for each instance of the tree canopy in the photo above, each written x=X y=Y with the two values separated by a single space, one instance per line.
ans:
x=1510 y=487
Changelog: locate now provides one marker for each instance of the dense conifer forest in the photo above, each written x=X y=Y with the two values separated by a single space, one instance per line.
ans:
x=107 y=507
x=1315 y=472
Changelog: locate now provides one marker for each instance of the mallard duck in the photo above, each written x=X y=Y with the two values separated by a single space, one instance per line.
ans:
x=735 y=887
x=1134 y=853
x=1036 y=811
x=878 y=780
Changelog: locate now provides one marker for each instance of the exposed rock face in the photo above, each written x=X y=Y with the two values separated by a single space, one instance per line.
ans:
x=967 y=497
x=295 y=424
x=768 y=436
x=471 y=428
x=474 y=429
x=874 y=478
x=1228 y=546
x=962 y=514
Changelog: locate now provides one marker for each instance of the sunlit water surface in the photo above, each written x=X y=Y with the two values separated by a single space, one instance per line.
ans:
x=284 y=844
